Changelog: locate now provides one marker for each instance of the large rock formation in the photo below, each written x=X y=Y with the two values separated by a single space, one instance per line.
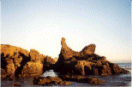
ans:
x=16 y=61
x=85 y=62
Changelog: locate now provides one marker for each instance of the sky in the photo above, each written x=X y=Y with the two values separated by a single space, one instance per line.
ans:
x=40 y=25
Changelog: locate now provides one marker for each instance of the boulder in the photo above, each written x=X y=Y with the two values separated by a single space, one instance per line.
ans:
x=32 y=69
x=94 y=81
x=10 y=69
x=8 y=72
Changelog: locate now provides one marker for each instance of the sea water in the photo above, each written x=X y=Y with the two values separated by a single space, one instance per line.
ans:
x=111 y=80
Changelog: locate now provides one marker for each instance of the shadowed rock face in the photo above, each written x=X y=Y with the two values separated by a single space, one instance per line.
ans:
x=16 y=61
x=78 y=78
x=85 y=62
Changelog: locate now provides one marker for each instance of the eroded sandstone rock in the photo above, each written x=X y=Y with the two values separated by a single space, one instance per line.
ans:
x=3 y=73
x=34 y=55
x=16 y=61
x=85 y=62
x=32 y=69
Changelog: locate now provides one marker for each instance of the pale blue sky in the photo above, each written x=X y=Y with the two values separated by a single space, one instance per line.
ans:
x=40 y=24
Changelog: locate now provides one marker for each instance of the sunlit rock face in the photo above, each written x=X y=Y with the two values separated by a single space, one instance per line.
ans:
x=85 y=62
x=16 y=61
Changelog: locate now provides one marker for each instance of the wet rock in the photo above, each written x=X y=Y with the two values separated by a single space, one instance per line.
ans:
x=49 y=81
x=75 y=78
x=16 y=84
x=78 y=78
x=64 y=83
x=115 y=69
x=94 y=81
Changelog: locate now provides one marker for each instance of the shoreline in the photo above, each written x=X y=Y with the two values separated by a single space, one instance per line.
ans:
x=111 y=80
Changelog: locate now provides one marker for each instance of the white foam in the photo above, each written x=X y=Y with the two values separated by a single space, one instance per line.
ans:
x=49 y=73
x=126 y=67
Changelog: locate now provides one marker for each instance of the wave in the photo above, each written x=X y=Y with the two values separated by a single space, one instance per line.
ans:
x=126 y=67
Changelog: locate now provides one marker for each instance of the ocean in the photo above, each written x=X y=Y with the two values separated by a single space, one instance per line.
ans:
x=111 y=80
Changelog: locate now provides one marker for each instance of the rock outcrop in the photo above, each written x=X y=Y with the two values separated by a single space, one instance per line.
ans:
x=50 y=81
x=16 y=61
x=71 y=65
x=85 y=62
x=81 y=79
x=62 y=80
